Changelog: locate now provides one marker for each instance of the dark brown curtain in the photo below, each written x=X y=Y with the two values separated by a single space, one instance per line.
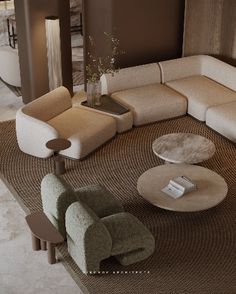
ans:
x=210 y=28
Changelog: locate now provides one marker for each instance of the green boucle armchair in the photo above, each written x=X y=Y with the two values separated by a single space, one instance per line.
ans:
x=57 y=195
x=95 y=224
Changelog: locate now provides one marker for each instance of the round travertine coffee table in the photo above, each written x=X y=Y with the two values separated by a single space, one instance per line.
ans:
x=211 y=187
x=183 y=148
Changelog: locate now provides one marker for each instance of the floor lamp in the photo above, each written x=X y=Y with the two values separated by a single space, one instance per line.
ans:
x=52 y=25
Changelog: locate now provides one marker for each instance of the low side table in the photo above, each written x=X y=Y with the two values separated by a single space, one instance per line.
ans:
x=108 y=104
x=110 y=107
x=183 y=148
x=57 y=145
x=44 y=235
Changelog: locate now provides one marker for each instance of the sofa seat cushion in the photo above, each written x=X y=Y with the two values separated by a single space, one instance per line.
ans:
x=222 y=118
x=152 y=103
x=85 y=129
x=202 y=93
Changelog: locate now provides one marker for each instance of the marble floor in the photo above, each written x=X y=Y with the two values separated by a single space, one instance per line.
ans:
x=23 y=271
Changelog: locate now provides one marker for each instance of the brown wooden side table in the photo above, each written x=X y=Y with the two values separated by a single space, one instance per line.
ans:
x=57 y=145
x=44 y=235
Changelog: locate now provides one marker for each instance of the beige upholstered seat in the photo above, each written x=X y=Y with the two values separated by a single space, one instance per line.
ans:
x=204 y=80
x=85 y=129
x=52 y=116
x=152 y=103
x=202 y=93
x=139 y=89
x=222 y=119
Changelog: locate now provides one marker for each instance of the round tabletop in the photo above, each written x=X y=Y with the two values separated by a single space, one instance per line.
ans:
x=183 y=148
x=58 y=144
x=211 y=187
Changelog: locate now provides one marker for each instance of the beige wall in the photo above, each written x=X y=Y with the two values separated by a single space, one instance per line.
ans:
x=149 y=31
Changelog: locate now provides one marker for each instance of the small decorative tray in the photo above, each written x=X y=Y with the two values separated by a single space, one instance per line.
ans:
x=109 y=105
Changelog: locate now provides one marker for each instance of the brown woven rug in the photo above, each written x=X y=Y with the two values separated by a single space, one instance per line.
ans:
x=195 y=252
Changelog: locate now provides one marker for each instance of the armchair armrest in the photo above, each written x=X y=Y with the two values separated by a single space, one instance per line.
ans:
x=99 y=199
x=33 y=134
x=89 y=241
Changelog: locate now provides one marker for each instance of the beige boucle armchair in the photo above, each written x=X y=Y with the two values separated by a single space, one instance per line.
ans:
x=52 y=116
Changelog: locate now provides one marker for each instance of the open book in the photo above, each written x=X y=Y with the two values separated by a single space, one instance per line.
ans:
x=179 y=186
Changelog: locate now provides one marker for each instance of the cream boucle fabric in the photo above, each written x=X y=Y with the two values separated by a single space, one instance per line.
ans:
x=49 y=105
x=32 y=135
x=202 y=93
x=180 y=68
x=52 y=116
x=205 y=65
x=222 y=119
x=152 y=103
x=131 y=77
x=85 y=129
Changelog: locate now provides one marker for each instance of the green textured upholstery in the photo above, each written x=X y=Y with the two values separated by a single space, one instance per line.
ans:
x=95 y=224
x=57 y=196
x=88 y=239
x=131 y=240
x=91 y=239
x=100 y=200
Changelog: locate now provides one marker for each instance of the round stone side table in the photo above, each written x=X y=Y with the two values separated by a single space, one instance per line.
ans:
x=183 y=148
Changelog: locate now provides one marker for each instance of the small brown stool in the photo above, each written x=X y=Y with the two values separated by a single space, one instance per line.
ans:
x=44 y=235
x=57 y=145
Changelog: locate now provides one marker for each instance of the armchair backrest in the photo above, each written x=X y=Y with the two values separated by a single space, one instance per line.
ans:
x=49 y=105
x=57 y=196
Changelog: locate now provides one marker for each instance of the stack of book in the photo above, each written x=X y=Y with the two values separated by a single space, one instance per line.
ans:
x=179 y=186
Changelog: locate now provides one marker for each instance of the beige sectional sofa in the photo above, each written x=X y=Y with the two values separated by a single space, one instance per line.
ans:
x=201 y=86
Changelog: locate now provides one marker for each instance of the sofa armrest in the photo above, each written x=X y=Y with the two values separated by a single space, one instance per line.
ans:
x=219 y=71
x=87 y=232
x=131 y=77
x=206 y=65
x=49 y=105
x=33 y=134
x=99 y=199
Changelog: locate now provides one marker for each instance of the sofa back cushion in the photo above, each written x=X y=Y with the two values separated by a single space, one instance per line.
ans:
x=180 y=68
x=49 y=105
x=131 y=77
